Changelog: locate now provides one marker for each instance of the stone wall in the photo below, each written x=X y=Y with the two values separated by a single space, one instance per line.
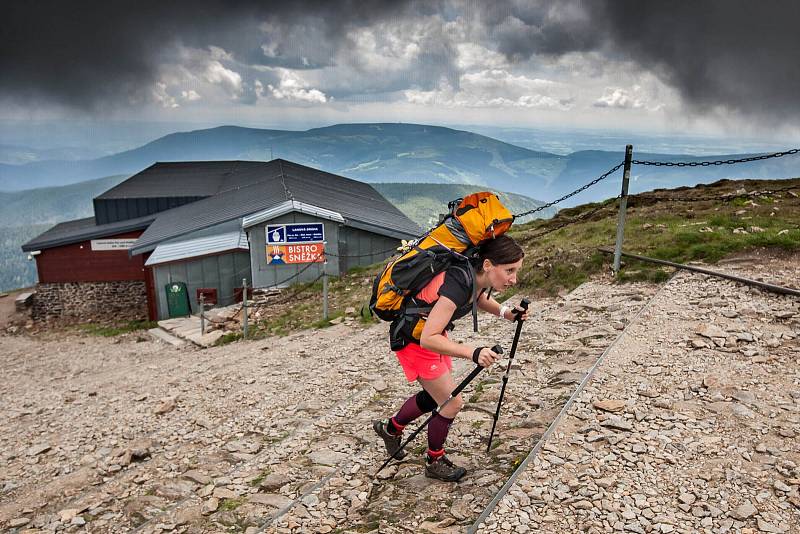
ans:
x=105 y=302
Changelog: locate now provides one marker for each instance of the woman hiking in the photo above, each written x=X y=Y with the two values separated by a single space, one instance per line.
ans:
x=427 y=359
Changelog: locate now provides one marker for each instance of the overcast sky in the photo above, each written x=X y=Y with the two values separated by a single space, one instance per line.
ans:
x=719 y=66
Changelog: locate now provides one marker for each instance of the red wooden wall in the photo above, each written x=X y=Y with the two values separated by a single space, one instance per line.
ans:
x=79 y=263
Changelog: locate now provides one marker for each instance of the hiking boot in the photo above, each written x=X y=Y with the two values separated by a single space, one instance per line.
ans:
x=391 y=441
x=443 y=469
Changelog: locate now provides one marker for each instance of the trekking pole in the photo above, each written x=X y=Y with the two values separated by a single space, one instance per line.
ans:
x=524 y=305
x=497 y=349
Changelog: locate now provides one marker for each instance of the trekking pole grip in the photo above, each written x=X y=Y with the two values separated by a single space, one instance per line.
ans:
x=524 y=305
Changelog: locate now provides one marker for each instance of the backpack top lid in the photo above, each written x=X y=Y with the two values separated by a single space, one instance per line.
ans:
x=483 y=216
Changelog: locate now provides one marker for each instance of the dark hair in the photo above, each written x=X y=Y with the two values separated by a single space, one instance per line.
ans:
x=500 y=250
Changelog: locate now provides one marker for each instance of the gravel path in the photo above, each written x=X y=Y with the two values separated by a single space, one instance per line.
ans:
x=691 y=423
x=127 y=434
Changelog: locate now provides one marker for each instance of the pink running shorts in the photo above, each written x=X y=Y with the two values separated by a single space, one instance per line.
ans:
x=422 y=363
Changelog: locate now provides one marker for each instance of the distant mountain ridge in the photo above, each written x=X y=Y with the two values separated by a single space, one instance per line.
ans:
x=367 y=152
x=49 y=205
x=388 y=152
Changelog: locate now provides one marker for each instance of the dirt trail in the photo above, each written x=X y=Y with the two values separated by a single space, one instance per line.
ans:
x=691 y=424
x=128 y=434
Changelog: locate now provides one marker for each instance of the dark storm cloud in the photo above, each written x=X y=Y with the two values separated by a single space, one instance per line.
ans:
x=522 y=29
x=721 y=55
x=86 y=54
x=735 y=55
x=102 y=53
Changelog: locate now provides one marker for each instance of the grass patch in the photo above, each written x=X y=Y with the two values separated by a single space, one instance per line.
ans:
x=229 y=338
x=476 y=394
x=294 y=317
x=228 y=505
x=325 y=323
x=681 y=232
x=563 y=259
x=646 y=274
x=419 y=449
x=515 y=463
x=116 y=330
x=260 y=478
x=365 y=269
x=366 y=317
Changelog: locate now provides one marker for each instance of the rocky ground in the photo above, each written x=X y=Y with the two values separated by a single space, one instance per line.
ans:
x=126 y=434
x=691 y=424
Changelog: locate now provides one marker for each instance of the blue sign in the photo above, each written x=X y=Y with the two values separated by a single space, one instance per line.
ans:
x=276 y=234
x=295 y=233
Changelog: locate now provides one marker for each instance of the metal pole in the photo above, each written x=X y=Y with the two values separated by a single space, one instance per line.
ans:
x=244 y=308
x=202 y=317
x=623 y=203
x=524 y=305
x=324 y=291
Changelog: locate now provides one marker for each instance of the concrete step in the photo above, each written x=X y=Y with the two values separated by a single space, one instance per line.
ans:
x=188 y=328
x=162 y=335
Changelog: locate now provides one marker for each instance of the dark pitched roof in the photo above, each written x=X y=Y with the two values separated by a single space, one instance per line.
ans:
x=234 y=189
x=186 y=179
x=258 y=186
x=78 y=230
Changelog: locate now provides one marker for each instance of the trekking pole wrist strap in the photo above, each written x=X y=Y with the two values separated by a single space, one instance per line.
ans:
x=476 y=353
x=503 y=310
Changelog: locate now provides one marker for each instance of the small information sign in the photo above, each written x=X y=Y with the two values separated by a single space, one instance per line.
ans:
x=112 y=244
x=280 y=234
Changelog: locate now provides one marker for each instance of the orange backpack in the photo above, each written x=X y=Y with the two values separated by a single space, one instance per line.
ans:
x=471 y=221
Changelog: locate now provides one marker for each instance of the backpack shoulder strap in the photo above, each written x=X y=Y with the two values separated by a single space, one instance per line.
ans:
x=469 y=274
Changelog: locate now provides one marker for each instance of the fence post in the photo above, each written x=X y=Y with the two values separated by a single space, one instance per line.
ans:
x=202 y=316
x=325 y=291
x=623 y=203
x=244 y=308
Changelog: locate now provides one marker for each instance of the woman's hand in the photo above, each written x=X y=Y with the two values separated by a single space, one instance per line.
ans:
x=486 y=357
x=516 y=312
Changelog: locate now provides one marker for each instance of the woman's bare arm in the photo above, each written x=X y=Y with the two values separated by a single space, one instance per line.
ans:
x=492 y=306
x=488 y=304
x=432 y=338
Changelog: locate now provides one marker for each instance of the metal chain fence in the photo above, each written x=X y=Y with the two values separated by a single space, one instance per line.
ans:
x=581 y=217
x=568 y=195
x=716 y=162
